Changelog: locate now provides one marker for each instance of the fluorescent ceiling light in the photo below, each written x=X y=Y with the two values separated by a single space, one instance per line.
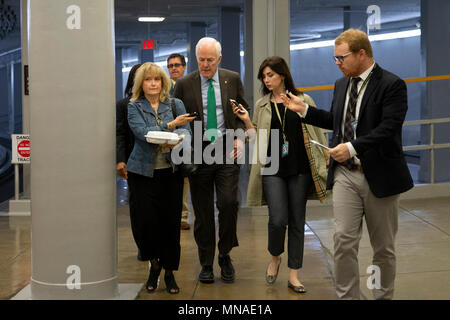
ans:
x=134 y=60
x=309 y=45
x=378 y=37
x=151 y=19
x=162 y=64
x=395 y=35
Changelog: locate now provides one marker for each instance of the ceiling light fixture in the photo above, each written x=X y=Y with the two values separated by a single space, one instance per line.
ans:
x=396 y=35
x=151 y=19
x=162 y=64
x=310 y=45
x=377 y=37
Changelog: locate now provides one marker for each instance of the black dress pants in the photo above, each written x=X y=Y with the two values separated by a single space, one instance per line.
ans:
x=225 y=178
x=286 y=198
x=155 y=213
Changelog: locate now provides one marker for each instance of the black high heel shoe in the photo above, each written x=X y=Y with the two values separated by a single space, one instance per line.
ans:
x=152 y=282
x=171 y=285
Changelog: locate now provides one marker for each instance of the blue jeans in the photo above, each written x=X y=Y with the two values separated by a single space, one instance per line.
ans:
x=286 y=198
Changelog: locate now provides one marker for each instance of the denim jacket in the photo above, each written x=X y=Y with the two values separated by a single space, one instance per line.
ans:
x=142 y=119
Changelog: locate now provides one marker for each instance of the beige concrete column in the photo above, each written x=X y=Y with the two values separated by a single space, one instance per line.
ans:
x=72 y=127
x=270 y=34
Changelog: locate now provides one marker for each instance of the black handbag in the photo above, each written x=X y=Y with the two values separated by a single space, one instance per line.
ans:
x=186 y=169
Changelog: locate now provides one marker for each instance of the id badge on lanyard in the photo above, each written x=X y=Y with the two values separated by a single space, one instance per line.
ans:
x=354 y=125
x=285 y=146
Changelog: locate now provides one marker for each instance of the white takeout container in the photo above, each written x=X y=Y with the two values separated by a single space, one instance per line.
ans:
x=162 y=137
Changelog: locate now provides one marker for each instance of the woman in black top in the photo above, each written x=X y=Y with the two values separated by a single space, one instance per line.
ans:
x=285 y=190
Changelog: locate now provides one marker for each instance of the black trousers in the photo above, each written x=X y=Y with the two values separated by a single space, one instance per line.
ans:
x=155 y=213
x=225 y=179
x=286 y=198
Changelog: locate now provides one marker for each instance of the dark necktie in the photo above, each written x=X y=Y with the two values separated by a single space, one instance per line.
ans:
x=211 y=122
x=350 y=117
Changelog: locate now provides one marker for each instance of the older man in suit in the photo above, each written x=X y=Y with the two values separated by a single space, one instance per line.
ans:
x=208 y=92
x=368 y=170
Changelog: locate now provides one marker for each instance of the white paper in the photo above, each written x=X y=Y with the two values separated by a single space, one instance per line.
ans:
x=319 y=144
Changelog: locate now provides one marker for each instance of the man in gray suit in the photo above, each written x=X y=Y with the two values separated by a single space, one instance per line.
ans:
x=208 y=92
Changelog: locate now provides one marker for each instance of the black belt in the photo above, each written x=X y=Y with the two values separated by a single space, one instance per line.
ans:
x=355 y=167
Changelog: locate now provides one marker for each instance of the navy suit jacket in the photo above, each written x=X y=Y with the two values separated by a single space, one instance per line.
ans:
x=378 y=142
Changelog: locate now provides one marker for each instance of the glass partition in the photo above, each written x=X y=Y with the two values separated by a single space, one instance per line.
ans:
x=10 y=90
x=395 y=29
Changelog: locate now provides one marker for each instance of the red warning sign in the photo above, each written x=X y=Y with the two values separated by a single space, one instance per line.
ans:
x=20 y=148
x=23 y=148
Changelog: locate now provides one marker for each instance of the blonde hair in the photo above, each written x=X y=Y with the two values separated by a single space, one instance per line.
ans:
x=155 y=70
x=356 y=40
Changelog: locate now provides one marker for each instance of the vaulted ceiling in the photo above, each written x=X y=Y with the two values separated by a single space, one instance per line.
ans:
x=308 y=18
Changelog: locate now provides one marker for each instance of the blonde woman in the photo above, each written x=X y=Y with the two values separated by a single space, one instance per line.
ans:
x=155 y=184
x=301 y=170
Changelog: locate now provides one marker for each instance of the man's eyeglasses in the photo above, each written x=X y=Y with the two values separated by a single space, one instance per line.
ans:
x=176 y=65
x=341 y=58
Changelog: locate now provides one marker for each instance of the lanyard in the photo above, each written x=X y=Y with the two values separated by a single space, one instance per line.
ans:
x=281 y=122
x=365 y=82
x=354 y=122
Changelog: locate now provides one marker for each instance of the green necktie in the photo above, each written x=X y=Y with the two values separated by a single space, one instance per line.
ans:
x=211 y=122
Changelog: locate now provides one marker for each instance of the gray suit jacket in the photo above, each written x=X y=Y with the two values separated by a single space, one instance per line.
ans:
x=188 y=89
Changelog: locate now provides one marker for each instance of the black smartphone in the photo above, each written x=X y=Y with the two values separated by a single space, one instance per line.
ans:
x=193 y=114
x=234 y=102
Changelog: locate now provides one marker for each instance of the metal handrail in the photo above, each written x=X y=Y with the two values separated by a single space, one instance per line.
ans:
x=431 y=146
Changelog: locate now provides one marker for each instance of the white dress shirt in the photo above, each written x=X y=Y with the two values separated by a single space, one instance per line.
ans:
x=363 y=77
x=219 y=109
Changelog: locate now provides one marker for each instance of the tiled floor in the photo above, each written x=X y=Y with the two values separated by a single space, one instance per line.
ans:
x=250 y=260
x=422 y=248
x=423 y=257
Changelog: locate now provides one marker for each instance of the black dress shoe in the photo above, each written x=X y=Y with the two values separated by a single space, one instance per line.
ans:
x=227 y=269
x=206 y=275
x=297 y=289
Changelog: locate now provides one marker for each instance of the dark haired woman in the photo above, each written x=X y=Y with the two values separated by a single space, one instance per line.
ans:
x=124 y=136
x=301 y=173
